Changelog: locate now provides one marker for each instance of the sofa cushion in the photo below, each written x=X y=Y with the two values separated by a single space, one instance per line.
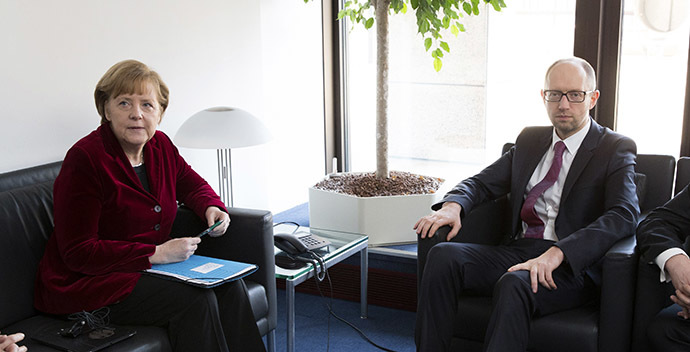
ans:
x=26 y=222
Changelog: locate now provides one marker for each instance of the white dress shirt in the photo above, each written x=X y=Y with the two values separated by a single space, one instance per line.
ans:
x=662 y=258
x=548 y=203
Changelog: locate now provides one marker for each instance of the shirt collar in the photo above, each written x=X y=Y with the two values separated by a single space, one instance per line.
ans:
x=572 y=143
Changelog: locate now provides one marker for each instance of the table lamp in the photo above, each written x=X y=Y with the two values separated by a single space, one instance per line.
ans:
x=222 y=128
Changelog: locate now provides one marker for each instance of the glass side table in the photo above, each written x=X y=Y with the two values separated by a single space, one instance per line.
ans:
x=343 y=245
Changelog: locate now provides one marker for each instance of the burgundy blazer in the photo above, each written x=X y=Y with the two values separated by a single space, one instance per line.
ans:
x=107 y=225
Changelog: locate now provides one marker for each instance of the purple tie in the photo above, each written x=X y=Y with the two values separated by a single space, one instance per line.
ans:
x=535 y=227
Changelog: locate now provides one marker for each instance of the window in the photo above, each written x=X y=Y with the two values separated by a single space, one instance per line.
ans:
x=652 y=78
x=453 y=123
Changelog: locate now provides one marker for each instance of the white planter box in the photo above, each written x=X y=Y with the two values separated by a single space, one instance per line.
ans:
x=386 y=220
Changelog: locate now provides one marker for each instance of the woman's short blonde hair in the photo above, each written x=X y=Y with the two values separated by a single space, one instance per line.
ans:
x=129 y=77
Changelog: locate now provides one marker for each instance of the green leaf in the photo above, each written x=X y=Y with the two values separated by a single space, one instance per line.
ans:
x=461 y=27
x=446 y=21
x=404 y=8
x=424 y=27
x=439 y=53
x=369 y=23
x=427 y=44
x=454 y=29
x=467 y=7
x=475 y=7
x=414 y=3
x=445 y=46
x=438 y=64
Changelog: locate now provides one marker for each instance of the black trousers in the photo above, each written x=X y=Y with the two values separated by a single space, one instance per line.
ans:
x=457 y=269
x=656 y=325
x=197 y=319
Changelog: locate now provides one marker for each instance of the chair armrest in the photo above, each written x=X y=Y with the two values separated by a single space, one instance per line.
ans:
x=485 y=224
x=619 y=274
x=249 y=239
x=423 y=247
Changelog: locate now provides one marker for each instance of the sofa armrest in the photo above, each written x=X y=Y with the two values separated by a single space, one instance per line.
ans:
x=249 y=239
x=619 y=275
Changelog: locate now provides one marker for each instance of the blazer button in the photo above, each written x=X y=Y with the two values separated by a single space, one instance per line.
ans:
x=157 y=208
x=157 y=227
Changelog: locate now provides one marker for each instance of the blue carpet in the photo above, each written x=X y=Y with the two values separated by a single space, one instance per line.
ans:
x=389 y=328
x=298 y=214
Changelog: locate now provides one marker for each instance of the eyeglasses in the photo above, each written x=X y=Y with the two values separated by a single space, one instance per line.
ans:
x=573 y=96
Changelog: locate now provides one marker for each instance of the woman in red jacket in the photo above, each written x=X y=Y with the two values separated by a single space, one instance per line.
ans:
x=115 y=200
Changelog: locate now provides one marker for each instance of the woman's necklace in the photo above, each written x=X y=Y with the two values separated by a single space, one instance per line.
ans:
x=142 y=160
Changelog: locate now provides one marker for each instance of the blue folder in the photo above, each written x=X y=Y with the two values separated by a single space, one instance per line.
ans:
x=203 y=271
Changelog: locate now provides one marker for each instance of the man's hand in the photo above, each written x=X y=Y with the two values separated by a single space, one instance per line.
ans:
x=175 y=250
x=678 y=267
x=8 y=343
x=449 y=214
x=541 y=268
x=213 y=214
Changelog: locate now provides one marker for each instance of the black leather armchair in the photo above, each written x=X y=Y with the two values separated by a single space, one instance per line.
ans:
x=649 y=301
x=605 y=326
x=682 y=174
x=26 y=222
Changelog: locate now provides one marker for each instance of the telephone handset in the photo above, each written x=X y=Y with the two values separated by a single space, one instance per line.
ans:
x=300 y=242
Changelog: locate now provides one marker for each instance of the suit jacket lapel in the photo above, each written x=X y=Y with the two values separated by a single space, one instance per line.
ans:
x=526 y=160
x=154 y=167
x=584 y=153
x=533 y=156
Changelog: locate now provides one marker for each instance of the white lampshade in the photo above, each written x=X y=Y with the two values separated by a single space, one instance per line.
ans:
x=221 y=128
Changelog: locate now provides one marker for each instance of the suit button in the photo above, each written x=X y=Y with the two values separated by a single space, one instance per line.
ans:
x=157 y=208
x=157 y=227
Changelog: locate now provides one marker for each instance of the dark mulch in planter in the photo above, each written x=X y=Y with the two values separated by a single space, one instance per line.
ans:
x=368 y=185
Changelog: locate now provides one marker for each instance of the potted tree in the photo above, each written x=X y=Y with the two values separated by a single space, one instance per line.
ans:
x=385 y=204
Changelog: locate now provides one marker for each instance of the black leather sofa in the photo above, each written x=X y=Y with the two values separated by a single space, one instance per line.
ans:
x=26 y=222
x=605 y=326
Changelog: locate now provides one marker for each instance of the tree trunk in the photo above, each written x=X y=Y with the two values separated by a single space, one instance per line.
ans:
x=381 y=15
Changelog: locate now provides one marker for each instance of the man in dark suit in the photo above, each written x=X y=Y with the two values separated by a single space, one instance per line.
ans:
x=572 y=196
x=662 y=309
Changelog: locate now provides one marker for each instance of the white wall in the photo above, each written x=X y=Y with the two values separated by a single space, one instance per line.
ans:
x=210 y=53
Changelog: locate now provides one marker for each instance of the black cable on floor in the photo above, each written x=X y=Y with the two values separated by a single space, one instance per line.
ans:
x=328 y=305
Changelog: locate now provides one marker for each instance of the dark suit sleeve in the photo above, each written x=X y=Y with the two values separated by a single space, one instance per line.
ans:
x=491 y=183
x=613 y=208
x=665 y=227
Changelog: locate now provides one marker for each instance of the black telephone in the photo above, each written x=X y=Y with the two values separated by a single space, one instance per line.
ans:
x=300 y=242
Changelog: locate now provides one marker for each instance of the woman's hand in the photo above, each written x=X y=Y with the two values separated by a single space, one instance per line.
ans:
x=213 y=214
x=175 y=250
x=8 y=343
